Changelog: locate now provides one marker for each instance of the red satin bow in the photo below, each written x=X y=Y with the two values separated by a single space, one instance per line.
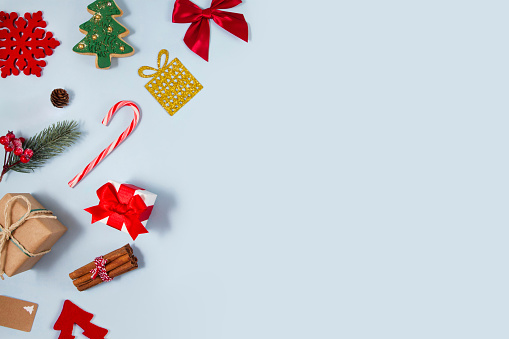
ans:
x=122 y=208
x=197 y=37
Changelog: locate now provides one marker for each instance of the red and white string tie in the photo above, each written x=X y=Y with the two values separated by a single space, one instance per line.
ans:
x=100 y=269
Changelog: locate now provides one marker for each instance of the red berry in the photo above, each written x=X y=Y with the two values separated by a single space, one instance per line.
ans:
x=22 y=140
x=18 y=151
x=28 y=153
x=4 y=140
x=24 y=159
x=17 y=143
x=9 y=147
x=10 y=135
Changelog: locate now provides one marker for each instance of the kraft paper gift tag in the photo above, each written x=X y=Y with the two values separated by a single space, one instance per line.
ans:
x=17 y=314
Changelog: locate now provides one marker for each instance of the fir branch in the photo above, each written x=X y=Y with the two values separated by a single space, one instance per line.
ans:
x=50 y=142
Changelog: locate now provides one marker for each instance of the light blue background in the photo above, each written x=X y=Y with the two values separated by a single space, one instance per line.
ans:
x=342 y=175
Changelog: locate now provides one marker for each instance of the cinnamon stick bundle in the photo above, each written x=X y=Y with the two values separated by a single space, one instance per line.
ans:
x=118 y=262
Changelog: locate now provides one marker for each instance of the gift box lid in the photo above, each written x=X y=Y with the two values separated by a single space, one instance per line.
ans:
x=149 y=198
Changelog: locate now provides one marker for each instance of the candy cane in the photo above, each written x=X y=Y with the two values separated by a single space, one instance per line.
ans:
x=114 y=144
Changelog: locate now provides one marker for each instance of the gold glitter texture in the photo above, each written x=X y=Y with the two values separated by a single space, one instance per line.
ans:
x=172 y=84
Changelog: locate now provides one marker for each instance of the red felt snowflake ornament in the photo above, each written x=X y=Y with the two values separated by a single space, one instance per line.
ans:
x=22 y=42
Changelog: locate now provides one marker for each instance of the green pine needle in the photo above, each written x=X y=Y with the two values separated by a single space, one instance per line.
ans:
x=52 y=141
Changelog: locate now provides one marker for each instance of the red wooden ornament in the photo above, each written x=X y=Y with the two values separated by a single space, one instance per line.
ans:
x=72 y=314
x=23 y=42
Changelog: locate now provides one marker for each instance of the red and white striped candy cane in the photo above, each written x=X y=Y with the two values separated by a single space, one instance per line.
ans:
x=114 y=144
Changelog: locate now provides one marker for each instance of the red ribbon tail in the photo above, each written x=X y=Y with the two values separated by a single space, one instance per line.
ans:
x=135 y=228
x=197 y=38
x=117 y=221
x=98 y=213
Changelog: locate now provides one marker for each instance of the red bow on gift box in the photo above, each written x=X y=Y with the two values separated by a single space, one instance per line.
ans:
x=120 y=208
x=197 y=37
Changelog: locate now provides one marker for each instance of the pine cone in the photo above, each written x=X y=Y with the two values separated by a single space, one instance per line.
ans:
x=59 y=98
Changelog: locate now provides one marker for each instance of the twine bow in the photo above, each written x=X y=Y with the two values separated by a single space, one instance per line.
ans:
x=9 y=228
x=159 y=68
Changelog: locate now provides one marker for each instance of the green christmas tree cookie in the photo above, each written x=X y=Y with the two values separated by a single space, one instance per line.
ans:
x=104 y=34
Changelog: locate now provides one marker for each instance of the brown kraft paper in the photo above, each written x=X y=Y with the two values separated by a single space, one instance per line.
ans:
x=36 y=235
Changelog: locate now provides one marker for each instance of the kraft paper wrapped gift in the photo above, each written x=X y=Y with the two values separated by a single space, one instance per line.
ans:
x=34 y=231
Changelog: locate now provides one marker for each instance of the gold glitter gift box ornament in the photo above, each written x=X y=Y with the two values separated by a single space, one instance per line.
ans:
x=172 y=85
